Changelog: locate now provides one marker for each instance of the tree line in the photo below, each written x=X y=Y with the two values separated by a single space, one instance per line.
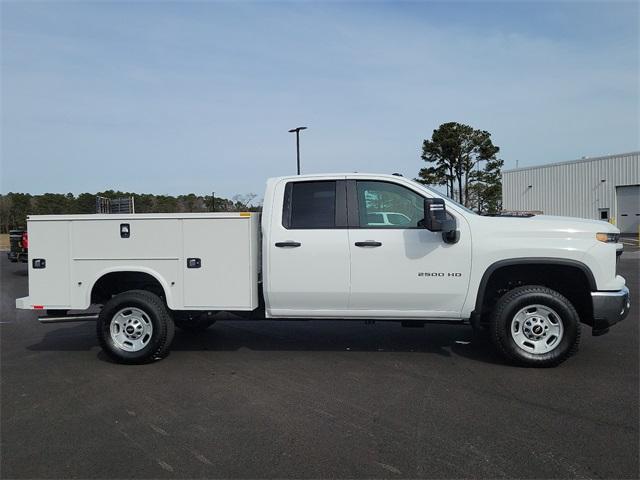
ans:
x=14 y=207
x=459 y=157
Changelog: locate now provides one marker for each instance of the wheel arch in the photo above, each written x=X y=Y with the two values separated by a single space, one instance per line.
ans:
x=530 y=267
x=116 y=280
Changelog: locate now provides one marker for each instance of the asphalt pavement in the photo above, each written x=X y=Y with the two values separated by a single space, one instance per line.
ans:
x=282 y=399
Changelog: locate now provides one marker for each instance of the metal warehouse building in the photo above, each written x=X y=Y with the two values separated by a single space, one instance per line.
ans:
x=605 y=188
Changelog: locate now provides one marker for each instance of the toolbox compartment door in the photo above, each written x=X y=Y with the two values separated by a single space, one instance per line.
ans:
x=220 y=263
x=49 y=286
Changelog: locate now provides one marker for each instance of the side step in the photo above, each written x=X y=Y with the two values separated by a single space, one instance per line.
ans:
x=83 y=317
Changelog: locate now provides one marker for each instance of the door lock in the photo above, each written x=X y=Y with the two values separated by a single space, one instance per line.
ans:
x=194 y=263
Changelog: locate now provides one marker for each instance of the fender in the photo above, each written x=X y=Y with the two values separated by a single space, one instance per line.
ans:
x=139 y=269
x=529 y=261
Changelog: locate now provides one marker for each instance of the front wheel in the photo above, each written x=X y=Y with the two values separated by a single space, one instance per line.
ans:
x=535 y=326
x=135 y=327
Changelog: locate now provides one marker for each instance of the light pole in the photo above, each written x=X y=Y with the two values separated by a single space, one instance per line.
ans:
x=297 y=132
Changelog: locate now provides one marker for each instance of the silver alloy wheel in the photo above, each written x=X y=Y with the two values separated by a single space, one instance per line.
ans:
x=131 y=329
x=537 y=329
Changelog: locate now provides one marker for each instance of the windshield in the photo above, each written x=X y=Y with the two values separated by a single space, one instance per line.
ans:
x=448 y=199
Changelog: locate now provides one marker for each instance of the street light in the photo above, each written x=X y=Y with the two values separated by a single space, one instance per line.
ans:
x=297 y=132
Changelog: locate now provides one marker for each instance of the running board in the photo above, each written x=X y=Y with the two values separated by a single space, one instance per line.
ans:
x=71 y=318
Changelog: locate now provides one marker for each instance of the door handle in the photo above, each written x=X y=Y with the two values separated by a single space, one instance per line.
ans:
x=369 y=243
x=288 y=244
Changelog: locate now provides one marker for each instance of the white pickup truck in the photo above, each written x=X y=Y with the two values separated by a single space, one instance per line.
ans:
x=349 y=246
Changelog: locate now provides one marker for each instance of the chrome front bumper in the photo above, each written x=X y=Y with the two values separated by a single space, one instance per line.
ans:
x=609 y=308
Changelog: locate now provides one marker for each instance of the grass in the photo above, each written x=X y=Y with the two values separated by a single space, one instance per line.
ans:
x=4 y=241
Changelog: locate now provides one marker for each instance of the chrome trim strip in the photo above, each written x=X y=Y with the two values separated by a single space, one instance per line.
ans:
x=617 y=293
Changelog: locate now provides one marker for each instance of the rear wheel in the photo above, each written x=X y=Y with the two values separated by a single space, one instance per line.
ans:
x=135 y=327
x=535 y=326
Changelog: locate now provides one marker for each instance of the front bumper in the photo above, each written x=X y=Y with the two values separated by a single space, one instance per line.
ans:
x=609 y=308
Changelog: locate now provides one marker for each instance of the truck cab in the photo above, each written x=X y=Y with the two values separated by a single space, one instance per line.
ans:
x=327 y=254
x=320 y=250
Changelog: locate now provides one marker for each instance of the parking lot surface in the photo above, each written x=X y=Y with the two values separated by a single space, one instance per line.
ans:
x=283 y=399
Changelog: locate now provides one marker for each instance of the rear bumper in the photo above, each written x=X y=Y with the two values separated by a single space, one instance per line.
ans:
x=609 y=308
x=24 y=303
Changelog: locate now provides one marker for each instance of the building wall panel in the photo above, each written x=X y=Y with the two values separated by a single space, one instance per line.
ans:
x=577 y=189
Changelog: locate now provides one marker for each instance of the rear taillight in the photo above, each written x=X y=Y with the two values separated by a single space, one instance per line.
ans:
x=25 y=240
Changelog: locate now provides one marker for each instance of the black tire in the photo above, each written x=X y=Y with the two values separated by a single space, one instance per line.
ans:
x=153 y=307
x=512 y=303
x=191 y=323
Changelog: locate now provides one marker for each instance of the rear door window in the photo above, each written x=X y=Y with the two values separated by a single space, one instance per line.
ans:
x=309 y=205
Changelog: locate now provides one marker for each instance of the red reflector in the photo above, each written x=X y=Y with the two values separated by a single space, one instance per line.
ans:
x=38 y=307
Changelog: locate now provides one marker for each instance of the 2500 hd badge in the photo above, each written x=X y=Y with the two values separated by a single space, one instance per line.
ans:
x=439 y=274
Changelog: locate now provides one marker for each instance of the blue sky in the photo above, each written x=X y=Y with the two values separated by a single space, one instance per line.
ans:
x=173 y=97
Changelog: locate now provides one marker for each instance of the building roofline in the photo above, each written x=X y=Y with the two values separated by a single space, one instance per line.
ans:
x=581 y=160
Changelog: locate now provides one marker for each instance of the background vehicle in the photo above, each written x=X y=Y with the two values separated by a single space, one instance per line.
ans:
x=18 y=245
x=387 y=218
x=314 y=254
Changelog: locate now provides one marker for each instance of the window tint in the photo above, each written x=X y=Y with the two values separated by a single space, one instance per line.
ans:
x=387 y=205
x=375 y=218
x=310 y=205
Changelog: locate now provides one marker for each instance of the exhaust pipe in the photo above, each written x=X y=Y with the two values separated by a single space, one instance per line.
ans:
x=83 y=317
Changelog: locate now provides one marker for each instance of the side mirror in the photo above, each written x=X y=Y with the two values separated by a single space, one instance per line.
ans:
x=436 y=220
x=435 y=214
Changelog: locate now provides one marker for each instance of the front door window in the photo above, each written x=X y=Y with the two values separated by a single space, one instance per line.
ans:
x=387 y=205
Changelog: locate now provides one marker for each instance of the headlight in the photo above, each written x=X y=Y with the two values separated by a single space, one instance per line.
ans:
x=608 y=237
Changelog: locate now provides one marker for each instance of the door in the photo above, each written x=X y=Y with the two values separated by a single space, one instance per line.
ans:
x=628 y=205
x=219 y=264
x=399 y=269
x=308 y=264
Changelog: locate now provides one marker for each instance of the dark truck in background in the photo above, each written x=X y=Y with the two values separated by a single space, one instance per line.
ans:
x=18 y=245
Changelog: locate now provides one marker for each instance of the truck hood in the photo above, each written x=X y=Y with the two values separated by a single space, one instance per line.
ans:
x=549 y=223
